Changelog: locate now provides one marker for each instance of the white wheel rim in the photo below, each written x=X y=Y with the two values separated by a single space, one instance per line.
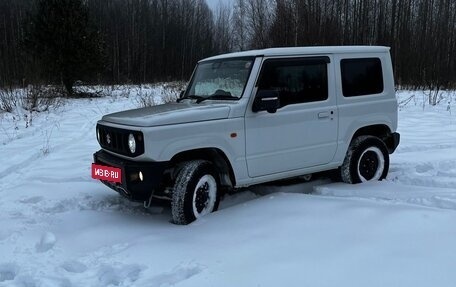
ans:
x=208 y=185
x=380 y=166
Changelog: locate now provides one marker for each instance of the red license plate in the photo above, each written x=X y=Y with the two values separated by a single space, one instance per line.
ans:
x=108 y=173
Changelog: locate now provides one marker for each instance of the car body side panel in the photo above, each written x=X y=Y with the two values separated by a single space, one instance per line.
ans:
x=294 y=137
x=361 y=111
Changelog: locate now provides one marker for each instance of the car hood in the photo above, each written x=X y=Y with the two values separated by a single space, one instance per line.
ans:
x=169 y=114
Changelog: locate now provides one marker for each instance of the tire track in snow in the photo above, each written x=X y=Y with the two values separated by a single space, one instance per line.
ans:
x=392 y=193
x=178 y=274
x=433 y=170
x=15 y=172
x=74 y=122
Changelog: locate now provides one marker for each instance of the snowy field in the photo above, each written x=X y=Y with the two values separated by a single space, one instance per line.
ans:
x=58 y=227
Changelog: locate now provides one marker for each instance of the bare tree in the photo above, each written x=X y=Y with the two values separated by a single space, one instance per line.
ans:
x=222 y=29
x=156 y=40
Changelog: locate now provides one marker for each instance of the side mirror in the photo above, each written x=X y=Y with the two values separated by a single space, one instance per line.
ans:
x=266 y=100
x=181 y=94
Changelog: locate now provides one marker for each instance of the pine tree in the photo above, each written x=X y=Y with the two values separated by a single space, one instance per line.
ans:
x=61 y=37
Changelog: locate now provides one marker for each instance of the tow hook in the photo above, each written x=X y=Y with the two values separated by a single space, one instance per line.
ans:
x=149 y=201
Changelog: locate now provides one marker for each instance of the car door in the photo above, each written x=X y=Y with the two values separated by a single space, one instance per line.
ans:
x=303 y=131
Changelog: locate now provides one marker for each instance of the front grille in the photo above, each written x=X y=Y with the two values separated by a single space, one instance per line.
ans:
x=116 y=140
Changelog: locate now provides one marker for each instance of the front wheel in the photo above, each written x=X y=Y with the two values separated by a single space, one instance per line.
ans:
x=196 y=192
x=367 y=159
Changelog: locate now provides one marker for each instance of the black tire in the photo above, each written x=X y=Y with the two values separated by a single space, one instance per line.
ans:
x=367 y=159
x=189 y=202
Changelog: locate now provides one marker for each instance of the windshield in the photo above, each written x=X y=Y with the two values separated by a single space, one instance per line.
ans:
x=220 y=79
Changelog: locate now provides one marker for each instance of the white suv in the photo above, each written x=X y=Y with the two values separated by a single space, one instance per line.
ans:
x=252 y=117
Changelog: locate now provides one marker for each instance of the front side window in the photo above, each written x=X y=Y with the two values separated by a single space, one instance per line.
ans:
x=297 y=80
x=220 y=79
x=361 y=77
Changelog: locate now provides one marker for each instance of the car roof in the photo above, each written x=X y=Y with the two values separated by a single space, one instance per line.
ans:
x=313 y=50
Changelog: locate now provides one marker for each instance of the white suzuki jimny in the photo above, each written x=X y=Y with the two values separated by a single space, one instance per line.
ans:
x=252 y=117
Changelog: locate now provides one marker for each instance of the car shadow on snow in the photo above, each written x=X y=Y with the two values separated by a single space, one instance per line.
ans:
x=116 y=203
x=294 y=185
x=161 y=209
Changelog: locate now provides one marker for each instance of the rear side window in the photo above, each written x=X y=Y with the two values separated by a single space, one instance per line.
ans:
x=361 y=76
x=298 y=80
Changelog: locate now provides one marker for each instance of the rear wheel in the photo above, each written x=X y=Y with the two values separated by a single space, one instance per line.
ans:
x=367 y=159
x=196 y=192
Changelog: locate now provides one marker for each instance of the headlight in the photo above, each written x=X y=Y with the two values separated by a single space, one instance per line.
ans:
x=132 y=143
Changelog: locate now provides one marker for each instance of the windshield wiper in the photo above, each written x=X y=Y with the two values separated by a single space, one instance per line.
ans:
x=218 y=95
x=193 y=97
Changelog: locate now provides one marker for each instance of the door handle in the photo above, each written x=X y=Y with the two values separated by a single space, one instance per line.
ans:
x=323 y=115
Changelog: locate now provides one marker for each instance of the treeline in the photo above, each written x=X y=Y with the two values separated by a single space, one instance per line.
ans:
x=160 y=40
x=421 y=33
x=153 y=40
x=142 y=40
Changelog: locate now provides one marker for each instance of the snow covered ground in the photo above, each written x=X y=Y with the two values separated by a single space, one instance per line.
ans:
x=58 y=227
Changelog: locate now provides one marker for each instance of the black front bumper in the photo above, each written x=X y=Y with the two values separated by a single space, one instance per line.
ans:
x=132 y=187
